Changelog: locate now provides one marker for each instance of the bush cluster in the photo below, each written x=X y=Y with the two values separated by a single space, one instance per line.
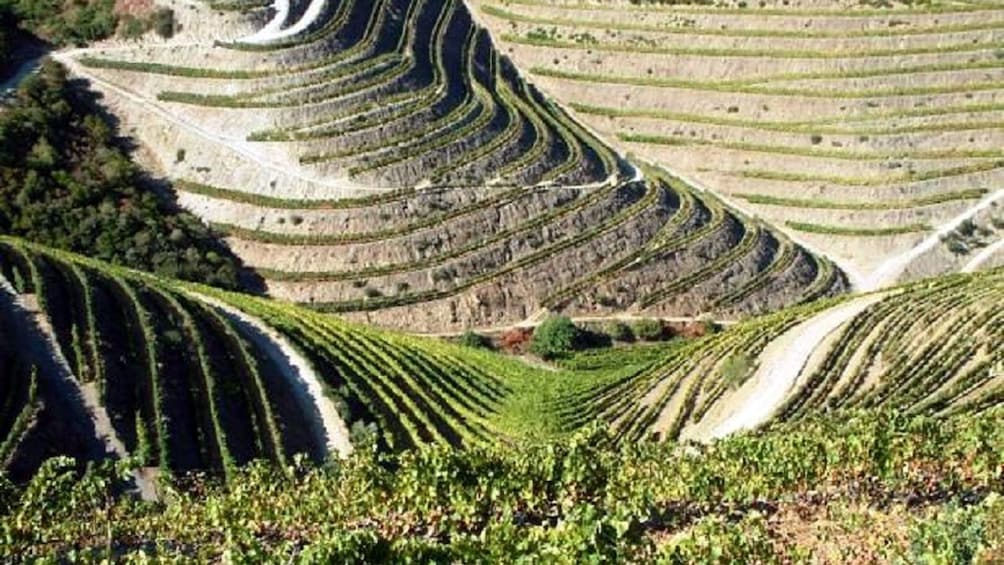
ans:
x=66 y=183
x=573 y=500
x=556 y=337
x=61 y=22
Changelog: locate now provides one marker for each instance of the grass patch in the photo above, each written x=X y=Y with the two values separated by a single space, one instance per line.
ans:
x=744 y=87
x=831 y=126
x=813 y=152
x=934 y=199
x=799 y=34
x=926 y=8
x=860 y=181
x=172 y=70
x=290 y=203
x=539 y=41
x=857 y=231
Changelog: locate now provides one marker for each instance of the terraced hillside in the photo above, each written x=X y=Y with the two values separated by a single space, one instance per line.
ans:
x=194 y=378
x=383 y=160
x=99 y=359
x=932 y=347
x=865 y=133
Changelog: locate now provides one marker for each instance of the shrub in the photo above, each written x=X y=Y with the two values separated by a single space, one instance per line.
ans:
x=163 y=23
x=556 y=337
x=957 y=247
x=648 y=329
x=619 y=331
x=515 y=340
x=179 y=157
x=710 y=327
x=132 y=27
x=363 y=434
x=736 y=369
x=474 y=340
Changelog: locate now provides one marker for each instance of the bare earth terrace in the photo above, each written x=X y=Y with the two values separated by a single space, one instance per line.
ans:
x=865 y=133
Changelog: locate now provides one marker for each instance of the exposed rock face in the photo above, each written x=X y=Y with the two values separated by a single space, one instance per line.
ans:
x=389 y=163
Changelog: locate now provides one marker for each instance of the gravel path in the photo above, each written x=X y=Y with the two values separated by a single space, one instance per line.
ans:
x=985 y=254
x=782 y=362
x=887 y=273
x=274 y=31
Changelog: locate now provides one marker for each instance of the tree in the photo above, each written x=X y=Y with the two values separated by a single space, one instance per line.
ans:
x=556 y=337
x=163 y=23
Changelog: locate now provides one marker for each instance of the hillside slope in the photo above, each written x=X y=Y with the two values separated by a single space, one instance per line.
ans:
x=865 y=133
x=931 y=347
x=385 y=161
x=196 y=378
x=854 y=488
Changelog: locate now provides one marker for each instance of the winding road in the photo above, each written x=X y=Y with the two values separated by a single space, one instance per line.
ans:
x=274 y=31
x=887 y=273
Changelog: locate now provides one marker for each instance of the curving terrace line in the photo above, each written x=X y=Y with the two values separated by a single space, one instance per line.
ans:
x=274 y=30
x=887 y=273
x=306 y=384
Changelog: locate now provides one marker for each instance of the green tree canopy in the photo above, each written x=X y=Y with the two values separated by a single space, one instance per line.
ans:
x=556 y=337
x=65 y=183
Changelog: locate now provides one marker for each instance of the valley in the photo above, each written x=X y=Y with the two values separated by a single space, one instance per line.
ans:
x=568 y=281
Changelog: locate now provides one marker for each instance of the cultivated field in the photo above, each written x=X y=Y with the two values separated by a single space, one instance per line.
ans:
x=387 y=163
x=874 y=351
x=188 y=377
x=862 y=132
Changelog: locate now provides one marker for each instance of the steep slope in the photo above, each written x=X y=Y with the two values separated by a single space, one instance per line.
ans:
x=931 y=347
x=863 y=132
x=41 y=414
x=197 y=378
x=387 y=162
x=192 y=377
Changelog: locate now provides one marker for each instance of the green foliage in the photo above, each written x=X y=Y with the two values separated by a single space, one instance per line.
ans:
x=556 y=337
x=65 y=183
x=573 y=501
x=64 y=22
x=132 y=27
x=736 y=369
x=475 y=340
x=857 y=231
x=619 y=331
x=957 y=535
x=718 y=540
x=648 y=329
